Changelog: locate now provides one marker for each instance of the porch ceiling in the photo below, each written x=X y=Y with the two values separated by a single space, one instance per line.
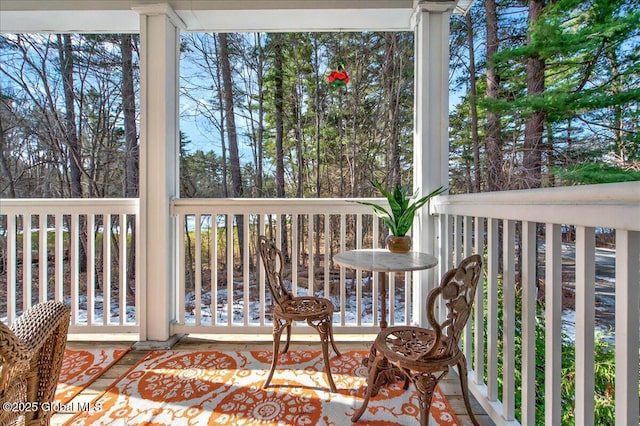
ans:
x=118 y=16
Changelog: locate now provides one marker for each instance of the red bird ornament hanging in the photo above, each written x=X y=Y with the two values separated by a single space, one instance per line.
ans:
x=338 y=77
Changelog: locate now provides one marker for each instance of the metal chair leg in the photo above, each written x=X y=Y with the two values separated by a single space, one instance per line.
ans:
x=286 y=346
x=278 y=326
x=371 y=387
x=425 y=384
x=332 y=340
x=462 y=374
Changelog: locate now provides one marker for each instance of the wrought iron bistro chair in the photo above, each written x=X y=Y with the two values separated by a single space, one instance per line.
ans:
x=317 y=311
x=423 y=356
x=31 y=352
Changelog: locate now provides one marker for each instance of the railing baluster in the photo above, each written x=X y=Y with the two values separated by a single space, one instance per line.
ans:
x=214 y=268
x=585 y=324
x=230 y=266
x=58 y=257
x=343 y=289
x=457 y=244
x=260 y=226
x=492 y=311
x=553 y=319
x=529 y=282
x=91 y=267
x=448 y=241
x=443 y=259
x=479 y=309
x=182 y=265
x=138 y=287
x=466 y=252
x=310 y=259
x=43 y=258
x=197 y=273
x=327 y=253
x=26 y=262
x=245 y=268
x=391 y=291
x=74 y=272
x=509 y=319
x=295 y=251
x=122 y=279
x=106 y=267
x=627 y=324
x=358 y=283
x=12 y=252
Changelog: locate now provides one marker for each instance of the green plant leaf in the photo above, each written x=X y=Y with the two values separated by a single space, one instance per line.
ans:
x=402 y=206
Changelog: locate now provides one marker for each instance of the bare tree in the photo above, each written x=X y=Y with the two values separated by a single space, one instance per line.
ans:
x=129 y=111
x=234 y=157
x=66 y=65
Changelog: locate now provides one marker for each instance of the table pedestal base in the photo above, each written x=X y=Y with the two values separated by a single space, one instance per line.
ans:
x=381 y=372
x=385 y=374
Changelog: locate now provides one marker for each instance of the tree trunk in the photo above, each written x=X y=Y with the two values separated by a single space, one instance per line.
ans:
x=260 y=141
x=390 y=74
x=132 y=150
x=534 y=126
x=317 y=112
x=129 y=111
x=72 y=140
x=4 y=146
x=223 y=138
x=279 y=116
x=473 y=105
x=234 y=157
x=494 y=137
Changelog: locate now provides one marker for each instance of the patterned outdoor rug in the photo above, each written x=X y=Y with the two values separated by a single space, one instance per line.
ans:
x=225 y=388
x=80 y=367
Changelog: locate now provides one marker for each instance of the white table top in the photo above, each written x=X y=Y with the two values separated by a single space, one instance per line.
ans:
x=382 y=260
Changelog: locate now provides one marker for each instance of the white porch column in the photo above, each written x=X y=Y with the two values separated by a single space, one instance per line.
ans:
x=431 y=133
x=159 y=154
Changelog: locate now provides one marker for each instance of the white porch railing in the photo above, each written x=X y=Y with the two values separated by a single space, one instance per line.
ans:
x=71 y=250
x=521 y=234
x=221 y=286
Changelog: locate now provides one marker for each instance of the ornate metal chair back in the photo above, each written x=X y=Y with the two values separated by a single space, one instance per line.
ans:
x=273 y=264
x=457 y=289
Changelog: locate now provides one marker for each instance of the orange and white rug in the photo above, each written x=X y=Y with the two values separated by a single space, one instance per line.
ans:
x=80 y=367
x=225 y=388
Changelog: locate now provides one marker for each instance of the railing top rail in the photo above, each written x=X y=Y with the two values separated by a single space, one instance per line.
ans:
x=606 y=193
x=69 y=205
x=272 y=205
x=614 y=205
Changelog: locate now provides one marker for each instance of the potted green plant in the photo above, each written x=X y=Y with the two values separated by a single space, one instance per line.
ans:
x=399 y=217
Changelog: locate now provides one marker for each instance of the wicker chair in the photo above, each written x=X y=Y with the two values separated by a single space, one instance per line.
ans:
x=317 y=311
x=423 y=356
x=31 y=353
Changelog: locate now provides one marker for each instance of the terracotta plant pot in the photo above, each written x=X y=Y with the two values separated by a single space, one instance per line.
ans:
x=398 y=244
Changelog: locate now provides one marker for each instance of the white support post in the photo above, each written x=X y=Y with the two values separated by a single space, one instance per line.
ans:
x=159 y=150
x=431 y=126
